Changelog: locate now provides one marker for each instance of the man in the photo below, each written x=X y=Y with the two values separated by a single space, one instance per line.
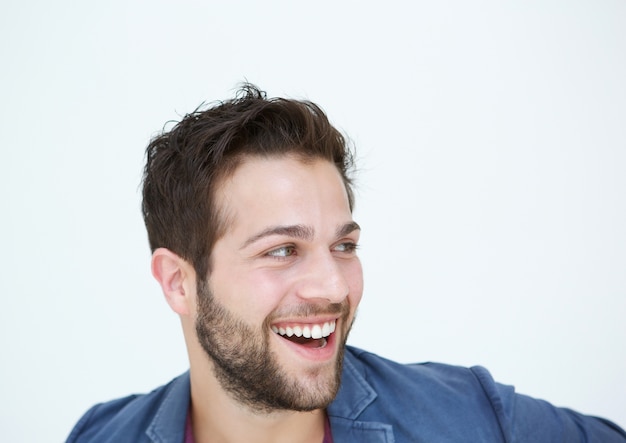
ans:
x=248 y=207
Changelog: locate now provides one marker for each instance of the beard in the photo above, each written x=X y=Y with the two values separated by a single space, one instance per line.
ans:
x=245 y=366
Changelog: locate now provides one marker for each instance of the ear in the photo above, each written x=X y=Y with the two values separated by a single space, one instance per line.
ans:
x=177 y=279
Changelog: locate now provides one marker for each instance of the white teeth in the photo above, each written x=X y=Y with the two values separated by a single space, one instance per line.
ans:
x=325 y=330
x=307 y=331
x=298 y=331
x=316 y=332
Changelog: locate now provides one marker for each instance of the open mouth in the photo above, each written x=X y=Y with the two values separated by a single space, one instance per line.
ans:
x=314 y=336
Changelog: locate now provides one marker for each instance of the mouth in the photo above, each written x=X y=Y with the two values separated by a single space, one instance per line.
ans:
x=308 y=335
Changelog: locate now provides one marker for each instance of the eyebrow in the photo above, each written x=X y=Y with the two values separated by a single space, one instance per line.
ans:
x=348 y=228
x=298 y=231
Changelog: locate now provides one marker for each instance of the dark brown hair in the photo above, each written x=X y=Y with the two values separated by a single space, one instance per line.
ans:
x=185 y=164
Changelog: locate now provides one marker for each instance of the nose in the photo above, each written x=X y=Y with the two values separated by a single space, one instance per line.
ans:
x=323 y=278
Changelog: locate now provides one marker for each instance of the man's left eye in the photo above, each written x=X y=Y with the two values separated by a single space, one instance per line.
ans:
x=346 y=247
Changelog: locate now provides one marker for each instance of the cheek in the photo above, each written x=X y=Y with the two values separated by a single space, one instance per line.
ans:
x=354 y=277
x=261 y=292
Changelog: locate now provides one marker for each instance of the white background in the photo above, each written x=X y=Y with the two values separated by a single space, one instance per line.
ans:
x=492 y=192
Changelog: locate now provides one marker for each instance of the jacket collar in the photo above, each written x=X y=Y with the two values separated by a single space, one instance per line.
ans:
x=355 y=393
x=354 y=397
x=169 y=421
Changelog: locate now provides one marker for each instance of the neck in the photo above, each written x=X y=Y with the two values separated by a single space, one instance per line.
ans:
x=218 y=418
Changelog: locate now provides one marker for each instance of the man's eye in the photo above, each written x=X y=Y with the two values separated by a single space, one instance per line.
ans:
x=284 y=251
x=347 y=247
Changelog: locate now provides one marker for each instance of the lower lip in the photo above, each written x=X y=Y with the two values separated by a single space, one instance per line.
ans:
x=313 y=354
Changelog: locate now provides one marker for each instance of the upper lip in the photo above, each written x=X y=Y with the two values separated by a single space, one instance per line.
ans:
x=305 y=321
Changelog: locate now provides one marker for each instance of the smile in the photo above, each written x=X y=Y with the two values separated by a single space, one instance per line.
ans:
x=315 y=331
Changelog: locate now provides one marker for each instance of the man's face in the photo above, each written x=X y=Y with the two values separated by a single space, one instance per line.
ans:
x=285 y=283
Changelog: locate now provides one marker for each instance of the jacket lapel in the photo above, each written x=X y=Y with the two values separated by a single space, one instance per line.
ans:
x=168 y=425
x=355 y=395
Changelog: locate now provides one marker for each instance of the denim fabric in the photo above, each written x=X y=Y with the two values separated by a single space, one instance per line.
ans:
x=379 y=401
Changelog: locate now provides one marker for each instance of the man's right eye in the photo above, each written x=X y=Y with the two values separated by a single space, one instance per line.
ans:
x=282 y=252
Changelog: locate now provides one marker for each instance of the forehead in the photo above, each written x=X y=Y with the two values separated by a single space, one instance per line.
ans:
x=282 y=190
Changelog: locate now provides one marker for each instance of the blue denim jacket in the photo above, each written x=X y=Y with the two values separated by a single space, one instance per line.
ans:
x=379 y=401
